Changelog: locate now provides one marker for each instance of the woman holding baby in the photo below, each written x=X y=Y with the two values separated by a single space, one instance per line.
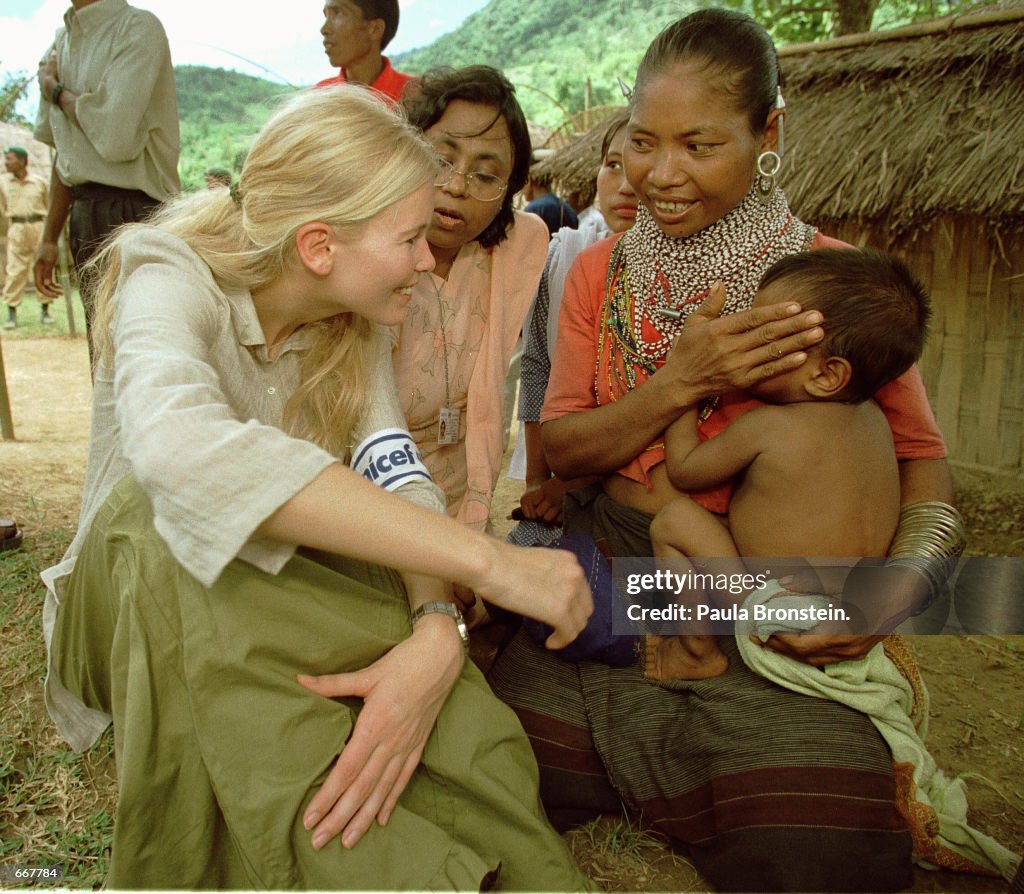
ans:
x=770 y=790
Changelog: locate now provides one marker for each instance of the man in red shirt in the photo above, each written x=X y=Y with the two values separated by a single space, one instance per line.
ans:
x=355 y=32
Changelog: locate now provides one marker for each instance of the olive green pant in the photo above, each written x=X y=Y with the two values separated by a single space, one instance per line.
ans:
x=219 y=749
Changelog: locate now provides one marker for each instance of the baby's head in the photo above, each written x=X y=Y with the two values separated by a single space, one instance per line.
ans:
x=876 y=317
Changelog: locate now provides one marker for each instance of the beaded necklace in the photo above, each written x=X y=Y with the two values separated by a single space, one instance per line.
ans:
x=656 y=281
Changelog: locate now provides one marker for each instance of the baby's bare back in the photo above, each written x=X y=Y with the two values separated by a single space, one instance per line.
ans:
x=825 y=483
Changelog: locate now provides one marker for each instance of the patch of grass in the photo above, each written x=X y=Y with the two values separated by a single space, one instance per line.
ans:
x=618 y=836
x=30 y=324
x=55 y=806
x=621 y=854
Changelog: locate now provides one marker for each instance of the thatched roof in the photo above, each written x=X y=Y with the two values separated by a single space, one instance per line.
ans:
x=898 y=127
x=573 y=167
x=539 y=134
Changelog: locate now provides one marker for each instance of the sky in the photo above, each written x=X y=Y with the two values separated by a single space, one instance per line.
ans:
x=275 y=40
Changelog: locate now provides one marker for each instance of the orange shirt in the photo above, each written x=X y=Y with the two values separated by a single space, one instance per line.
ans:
x=390 y=82
x=574 y=385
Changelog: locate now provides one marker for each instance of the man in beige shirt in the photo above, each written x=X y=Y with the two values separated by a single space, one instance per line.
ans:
x=108 y=106
x=23 y=201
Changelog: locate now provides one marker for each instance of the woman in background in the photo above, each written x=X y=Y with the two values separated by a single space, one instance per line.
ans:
x=541 y=502
x=452 y=352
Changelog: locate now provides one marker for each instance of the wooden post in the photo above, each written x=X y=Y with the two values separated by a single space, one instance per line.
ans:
x=949 y=286
x=64 y=266
x=64 y=273
x=994 y=360
x=6 y=422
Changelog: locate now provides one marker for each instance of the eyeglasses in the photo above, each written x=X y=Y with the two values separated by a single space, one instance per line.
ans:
x=479 y=184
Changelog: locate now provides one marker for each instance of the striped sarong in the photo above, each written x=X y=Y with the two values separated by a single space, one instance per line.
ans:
x=769 y=789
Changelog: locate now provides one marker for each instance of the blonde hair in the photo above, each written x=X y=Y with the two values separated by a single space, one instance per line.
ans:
x=338 y=155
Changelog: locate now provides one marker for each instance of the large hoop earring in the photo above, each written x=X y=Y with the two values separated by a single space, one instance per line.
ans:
x=768 y=166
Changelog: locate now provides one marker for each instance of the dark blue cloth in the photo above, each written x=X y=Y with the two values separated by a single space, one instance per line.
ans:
x=596 y=642
x=555 y=212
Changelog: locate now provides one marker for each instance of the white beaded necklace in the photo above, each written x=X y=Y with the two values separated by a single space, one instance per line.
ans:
x=672 y=274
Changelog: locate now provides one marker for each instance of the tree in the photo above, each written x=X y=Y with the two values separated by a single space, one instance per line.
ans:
x=12 y=90
x=799 y=21
x=852 y=16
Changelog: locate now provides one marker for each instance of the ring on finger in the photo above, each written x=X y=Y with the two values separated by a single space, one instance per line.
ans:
x=774 y=351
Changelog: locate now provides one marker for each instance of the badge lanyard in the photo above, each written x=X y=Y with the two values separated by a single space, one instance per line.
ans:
x=448 y=416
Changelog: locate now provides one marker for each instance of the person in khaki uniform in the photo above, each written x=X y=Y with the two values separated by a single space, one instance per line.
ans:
x=23 y=201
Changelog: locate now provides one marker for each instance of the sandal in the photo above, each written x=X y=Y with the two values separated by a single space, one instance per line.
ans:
x=10 y=536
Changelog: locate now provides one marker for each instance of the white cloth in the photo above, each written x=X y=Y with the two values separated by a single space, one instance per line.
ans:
x=517 y=463
x=592 y=223
x=875 y=687
x=539 y=333
x=570 y=244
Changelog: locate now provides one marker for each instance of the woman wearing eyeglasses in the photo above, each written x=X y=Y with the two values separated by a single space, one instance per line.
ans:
x=453 y=350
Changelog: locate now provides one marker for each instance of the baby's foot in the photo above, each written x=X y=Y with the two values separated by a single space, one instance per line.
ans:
x=689 y=657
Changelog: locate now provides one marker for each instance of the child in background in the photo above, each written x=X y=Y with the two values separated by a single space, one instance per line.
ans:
x=540 y=507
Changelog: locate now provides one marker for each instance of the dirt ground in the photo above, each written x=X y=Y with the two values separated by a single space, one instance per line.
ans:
x=976 y=683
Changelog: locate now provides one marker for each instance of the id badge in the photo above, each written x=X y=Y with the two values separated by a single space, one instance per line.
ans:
x=448 y=426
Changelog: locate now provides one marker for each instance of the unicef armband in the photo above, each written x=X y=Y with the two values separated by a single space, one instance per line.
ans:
x=389 y=459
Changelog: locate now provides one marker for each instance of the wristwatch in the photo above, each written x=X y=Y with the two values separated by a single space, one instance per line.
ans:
x=58 y=89
x=444 y=608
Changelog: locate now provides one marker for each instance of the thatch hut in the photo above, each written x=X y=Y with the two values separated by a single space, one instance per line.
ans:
x=910 y=140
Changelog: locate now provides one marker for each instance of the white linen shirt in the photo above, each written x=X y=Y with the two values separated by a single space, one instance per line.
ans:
x=193 y=410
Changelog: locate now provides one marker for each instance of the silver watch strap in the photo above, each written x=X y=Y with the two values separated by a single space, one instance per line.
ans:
x=444 y=608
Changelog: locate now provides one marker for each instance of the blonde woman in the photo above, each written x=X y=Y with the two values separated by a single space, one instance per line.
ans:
x=245 y=390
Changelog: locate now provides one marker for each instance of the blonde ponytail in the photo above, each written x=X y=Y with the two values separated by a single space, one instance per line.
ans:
x=338 y=155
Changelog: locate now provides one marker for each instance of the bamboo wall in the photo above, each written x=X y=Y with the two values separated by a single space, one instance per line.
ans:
x=973 y=365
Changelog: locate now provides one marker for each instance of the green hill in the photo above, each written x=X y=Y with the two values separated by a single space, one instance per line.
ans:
x=220 y=111
x=549 y=50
